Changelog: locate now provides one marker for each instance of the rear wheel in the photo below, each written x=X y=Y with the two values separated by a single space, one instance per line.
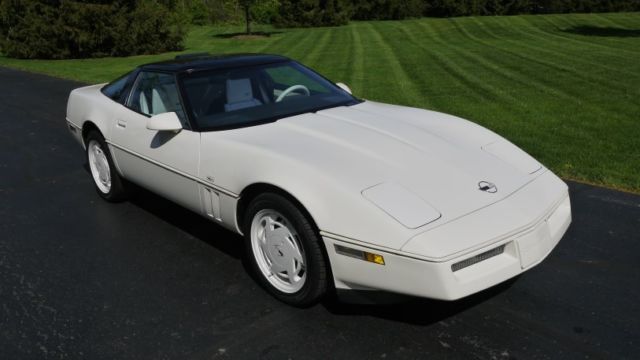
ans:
x=106 y=179
x=285 y=250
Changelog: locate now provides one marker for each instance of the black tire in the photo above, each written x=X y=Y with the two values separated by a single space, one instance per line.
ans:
x=316 y=269
x=119 y=189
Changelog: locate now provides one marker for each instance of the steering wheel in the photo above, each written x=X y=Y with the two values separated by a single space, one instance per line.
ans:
x=291 y=89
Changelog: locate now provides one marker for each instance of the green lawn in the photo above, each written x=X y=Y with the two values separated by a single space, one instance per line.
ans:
x=566 y=88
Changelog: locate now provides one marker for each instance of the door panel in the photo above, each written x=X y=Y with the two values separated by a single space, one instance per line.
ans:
x=162 y=161
x=165 y=162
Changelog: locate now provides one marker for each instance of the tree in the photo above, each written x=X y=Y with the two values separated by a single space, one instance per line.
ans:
x=246 y=5
x=50 y=29
x=308 y=13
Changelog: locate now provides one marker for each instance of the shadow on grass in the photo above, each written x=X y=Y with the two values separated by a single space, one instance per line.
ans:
x=243 y=35
x=587 y=30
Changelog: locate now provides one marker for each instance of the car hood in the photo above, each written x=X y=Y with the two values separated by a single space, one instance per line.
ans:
x=439 y=158
x=375 y=172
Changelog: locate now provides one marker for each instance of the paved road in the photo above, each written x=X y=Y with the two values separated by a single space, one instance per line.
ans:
x=82 y=278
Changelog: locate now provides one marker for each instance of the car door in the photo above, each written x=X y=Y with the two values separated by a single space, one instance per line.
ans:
x=165 y=162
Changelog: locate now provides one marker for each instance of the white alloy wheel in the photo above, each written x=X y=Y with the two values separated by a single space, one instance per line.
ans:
x=99 y=166
x=277 y=251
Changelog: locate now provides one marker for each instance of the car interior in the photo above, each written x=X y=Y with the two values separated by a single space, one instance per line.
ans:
x=156 y=93
x=230 y=91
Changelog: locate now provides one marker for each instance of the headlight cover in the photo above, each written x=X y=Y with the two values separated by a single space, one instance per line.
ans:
x=401 y=204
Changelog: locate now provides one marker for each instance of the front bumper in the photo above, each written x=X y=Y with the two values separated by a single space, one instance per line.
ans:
x=408 y=274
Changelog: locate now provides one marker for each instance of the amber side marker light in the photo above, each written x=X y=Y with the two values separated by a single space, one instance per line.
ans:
x=359 y=254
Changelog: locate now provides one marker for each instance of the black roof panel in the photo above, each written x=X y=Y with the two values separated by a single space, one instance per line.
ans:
x=212 y=62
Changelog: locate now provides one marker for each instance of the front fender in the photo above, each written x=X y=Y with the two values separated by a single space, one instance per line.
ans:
x=88 y=105
x=335 y=205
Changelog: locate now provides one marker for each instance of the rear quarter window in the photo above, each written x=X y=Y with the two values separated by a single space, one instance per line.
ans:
x=116 y=89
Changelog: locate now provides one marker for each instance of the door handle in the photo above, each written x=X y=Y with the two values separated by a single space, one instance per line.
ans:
x=121 y=123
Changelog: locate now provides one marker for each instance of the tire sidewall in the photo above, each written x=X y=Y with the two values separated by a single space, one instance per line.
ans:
x=117 y=191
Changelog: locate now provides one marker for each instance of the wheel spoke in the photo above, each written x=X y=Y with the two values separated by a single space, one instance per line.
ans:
x=295 y=251
x=276 y=268
x=292 y=273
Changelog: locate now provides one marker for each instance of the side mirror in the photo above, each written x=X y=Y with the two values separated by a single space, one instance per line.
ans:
x=344 y=87
x=168 y=121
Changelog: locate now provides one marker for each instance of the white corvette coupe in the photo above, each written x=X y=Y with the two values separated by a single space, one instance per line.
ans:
x=329 y=191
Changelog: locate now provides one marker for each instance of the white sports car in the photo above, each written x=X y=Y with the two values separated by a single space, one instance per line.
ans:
x=329 y=191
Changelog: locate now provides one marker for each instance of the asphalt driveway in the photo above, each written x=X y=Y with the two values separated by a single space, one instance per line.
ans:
x=82 y=278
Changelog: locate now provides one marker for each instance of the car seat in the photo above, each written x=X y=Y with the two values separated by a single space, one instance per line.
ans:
x=240 y=95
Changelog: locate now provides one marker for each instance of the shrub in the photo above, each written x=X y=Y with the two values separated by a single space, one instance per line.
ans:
x=387 y=9
x=80 y=29
x=306 y=13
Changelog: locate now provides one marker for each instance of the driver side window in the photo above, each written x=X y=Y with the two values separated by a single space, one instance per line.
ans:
x=156 y=93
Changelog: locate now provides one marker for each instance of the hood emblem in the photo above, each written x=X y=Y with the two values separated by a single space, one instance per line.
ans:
x=487 y=187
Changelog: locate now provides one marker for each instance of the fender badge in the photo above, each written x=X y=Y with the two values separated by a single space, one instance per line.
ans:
x=487 y=187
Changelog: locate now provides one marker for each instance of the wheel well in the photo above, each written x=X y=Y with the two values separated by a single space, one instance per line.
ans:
x=252 y=191
x=87 y=127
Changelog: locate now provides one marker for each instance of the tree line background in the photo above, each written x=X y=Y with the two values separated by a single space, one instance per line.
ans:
x=307 y=13
x=59 y=29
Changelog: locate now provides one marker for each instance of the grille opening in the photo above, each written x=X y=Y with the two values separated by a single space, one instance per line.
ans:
x=478 y=258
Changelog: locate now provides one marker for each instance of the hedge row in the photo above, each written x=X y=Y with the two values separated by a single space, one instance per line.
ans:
x=80 y=29
x=295 y=13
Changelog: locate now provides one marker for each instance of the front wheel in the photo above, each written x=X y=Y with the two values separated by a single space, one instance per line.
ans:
x=106 y=179
x=285 y=251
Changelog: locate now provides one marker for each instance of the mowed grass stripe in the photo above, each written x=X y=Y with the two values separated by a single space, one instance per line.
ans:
x=316 y=48
x=355 y=77
x=558 y=55
x=464 y=69
x=494 y=66
x=625 y=20
x=411 y=58
x=443 y=64
x=548 y=32
x=559 y=84
x=272 y=43
x=540 y=33
x=585 y=74
x=309 y=42
x=556 y=31
x=512 y=104
x=515 y=50
x=540 y=72
x=333 y=59
x=429 y=68
x=290 y=41
x=601 y=23
x=400 y=86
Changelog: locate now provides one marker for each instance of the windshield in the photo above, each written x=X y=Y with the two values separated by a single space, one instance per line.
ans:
x=246 y=96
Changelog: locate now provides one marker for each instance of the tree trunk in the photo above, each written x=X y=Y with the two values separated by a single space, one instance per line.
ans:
x=247 y=16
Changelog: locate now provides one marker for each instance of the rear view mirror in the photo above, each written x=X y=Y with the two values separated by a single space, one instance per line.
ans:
x=344 y=87
x=168 y=121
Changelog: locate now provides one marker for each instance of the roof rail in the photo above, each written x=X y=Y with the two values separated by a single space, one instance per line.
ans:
x=192 y=55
